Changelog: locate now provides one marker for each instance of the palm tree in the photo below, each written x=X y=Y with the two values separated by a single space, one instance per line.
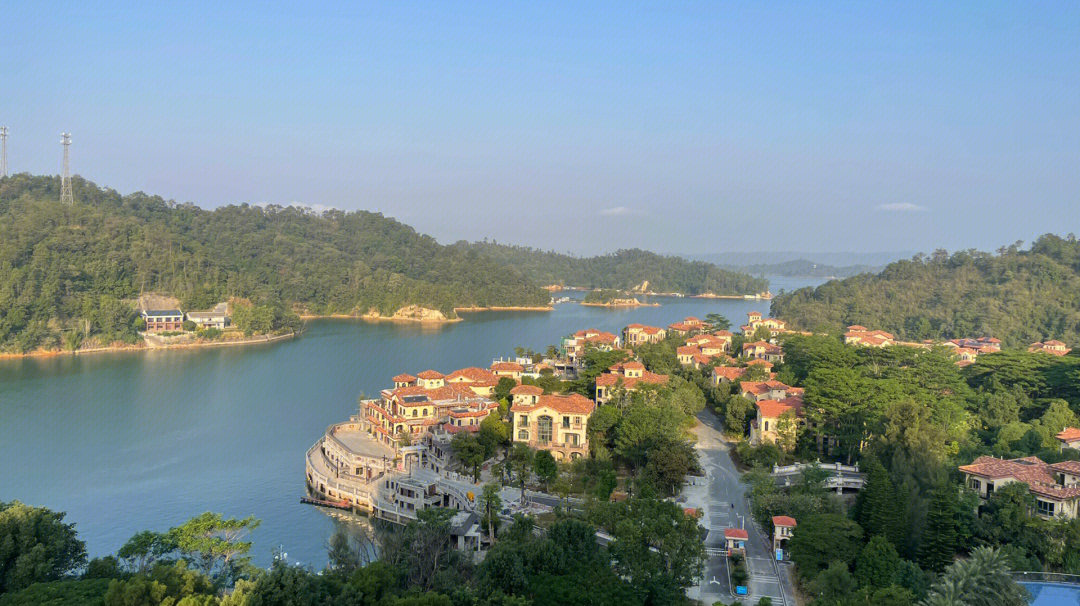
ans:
x=984 y=579
x=490 y=504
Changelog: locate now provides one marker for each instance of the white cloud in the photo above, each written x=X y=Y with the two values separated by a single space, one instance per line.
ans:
x=902 y=207
x=620 y=211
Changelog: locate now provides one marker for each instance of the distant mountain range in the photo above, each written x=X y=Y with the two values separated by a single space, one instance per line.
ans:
x=815 y=265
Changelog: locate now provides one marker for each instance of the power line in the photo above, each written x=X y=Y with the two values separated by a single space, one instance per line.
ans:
x=66 y=196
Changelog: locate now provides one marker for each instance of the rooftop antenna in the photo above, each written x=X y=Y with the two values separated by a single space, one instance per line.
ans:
x=65 y=180
x=3 y=153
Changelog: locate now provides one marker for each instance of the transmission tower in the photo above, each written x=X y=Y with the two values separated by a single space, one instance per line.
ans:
x=65 y=180
x=3 y=151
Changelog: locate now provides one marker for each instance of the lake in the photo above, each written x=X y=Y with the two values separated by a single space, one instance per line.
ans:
x=133 y=441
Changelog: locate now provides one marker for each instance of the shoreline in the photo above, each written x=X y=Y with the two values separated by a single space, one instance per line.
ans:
x=53 y=353
x=378 y=318
x=618 y=305
x=505 y=308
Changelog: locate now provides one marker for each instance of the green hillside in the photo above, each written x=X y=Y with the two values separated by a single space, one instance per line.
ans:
x=75 y=270
x=621 y=270
x=1019 y=296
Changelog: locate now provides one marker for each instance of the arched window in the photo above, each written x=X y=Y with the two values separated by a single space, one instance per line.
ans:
x=523 y=435
x=543 y=429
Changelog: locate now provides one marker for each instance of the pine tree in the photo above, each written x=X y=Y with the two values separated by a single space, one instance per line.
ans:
x=938 y=545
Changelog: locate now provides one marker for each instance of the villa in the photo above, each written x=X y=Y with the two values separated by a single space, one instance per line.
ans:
x=218 y=317
x=576 y=345
x=767 y=427
x=689 y=326
x=767 y=390
x=860 y=335
x=425 y=404
x=783 y=530
x=1056 y=487
x=627 y=376
x=1052 y=347
x=481 y=380
x=161 y=320
x=754 y=321
x=637 y=334
x=763 y=350
x=727 y=374
x=1069 y=438
x=507 y=369
x=556 y=423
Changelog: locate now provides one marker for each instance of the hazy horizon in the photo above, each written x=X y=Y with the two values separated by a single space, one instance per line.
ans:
x=689 y=129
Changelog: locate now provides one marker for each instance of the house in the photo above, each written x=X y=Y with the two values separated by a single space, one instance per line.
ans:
x=965 y=356
x=767 y=427
x=735 y=539
x=423 y=405
x=637 y=334
x=576 y=344
x=783 y=529
x=754 y=321
x=860 y=335
x=692 y=355
x=627 y=376
x=763 y=350
x=218 y=317
x=980 y=344
x=726 y=374
x=481 y=380
x=712 y=344
x=1056 y=487
x=689 y=326
x=556 y=423
x=159 y=320
x=1069 y=438
x=507 y=369
x=767 y=390
x=1052 y=347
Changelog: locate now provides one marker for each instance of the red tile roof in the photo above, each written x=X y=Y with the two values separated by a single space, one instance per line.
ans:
x=507 y=367
x=730 y=373
x=474 y=374
x=569 y=404
x=610 y=378
x=404 y=378
x=527 y=390
x=783 y=521
x=736 y=533
x=1071 y=467
x=773 y=409
x=1032 y=471
x=1068 y=434
x=430 y=374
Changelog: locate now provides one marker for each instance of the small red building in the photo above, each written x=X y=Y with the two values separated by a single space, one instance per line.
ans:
x=159 y=320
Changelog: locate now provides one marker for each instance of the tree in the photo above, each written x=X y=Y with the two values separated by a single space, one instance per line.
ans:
x=143 y=549
x=938 y=545
x=544 y=467
x=36 y=546
x=876 y=505
x=521 y=462
x=657 y=546
x=490 y=503
x=467 y=448
x=668 y=464
x=215 y=542
x=834 y=583
x=981 y=579
x=821 y=539
x=165 y=584
x=736 y=413
x=351 y=547
x=878 y=563
x=717 y=321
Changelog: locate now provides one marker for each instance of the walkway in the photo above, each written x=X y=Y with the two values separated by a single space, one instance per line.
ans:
x=720 y=496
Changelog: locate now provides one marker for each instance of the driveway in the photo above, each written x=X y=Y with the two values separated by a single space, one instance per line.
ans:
x=720 y=496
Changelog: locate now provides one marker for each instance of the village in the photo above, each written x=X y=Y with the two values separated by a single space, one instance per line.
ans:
x=396 y=455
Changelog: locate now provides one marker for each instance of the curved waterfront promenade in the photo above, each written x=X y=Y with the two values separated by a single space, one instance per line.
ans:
x=346 y=464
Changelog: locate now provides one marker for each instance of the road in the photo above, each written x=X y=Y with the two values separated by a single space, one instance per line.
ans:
x=721 y=498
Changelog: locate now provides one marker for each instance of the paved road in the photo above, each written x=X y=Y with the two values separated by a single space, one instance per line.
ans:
x=720 y=497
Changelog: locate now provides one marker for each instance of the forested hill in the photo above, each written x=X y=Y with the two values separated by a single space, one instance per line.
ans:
x=623 y=270
x=1018 y=296
x=63 y=268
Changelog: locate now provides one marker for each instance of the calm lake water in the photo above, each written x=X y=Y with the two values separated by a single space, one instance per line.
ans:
x=134 y=441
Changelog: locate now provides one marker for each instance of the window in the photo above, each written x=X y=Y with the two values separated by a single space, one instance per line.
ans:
x=566 y=422
x=523 y=435
x=975 y=485
x=543 y=429
x=572 y=439
x=766 y=426
x=1046 y=508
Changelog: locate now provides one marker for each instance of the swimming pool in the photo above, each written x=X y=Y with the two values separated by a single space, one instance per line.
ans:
x=1053 y=594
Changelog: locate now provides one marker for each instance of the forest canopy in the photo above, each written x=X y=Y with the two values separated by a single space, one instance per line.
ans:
x=69 y=273
x=1018 y=296
x=621 y=270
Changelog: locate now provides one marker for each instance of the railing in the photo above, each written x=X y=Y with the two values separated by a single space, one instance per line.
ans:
x=1060 y=578
x=799 y=467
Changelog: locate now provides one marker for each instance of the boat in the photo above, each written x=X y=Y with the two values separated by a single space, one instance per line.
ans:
x=342 y=504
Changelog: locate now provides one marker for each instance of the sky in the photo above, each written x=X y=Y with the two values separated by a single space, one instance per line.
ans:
x=687 y=127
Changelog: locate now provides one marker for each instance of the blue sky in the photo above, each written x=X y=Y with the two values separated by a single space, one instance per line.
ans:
x=678 y=127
